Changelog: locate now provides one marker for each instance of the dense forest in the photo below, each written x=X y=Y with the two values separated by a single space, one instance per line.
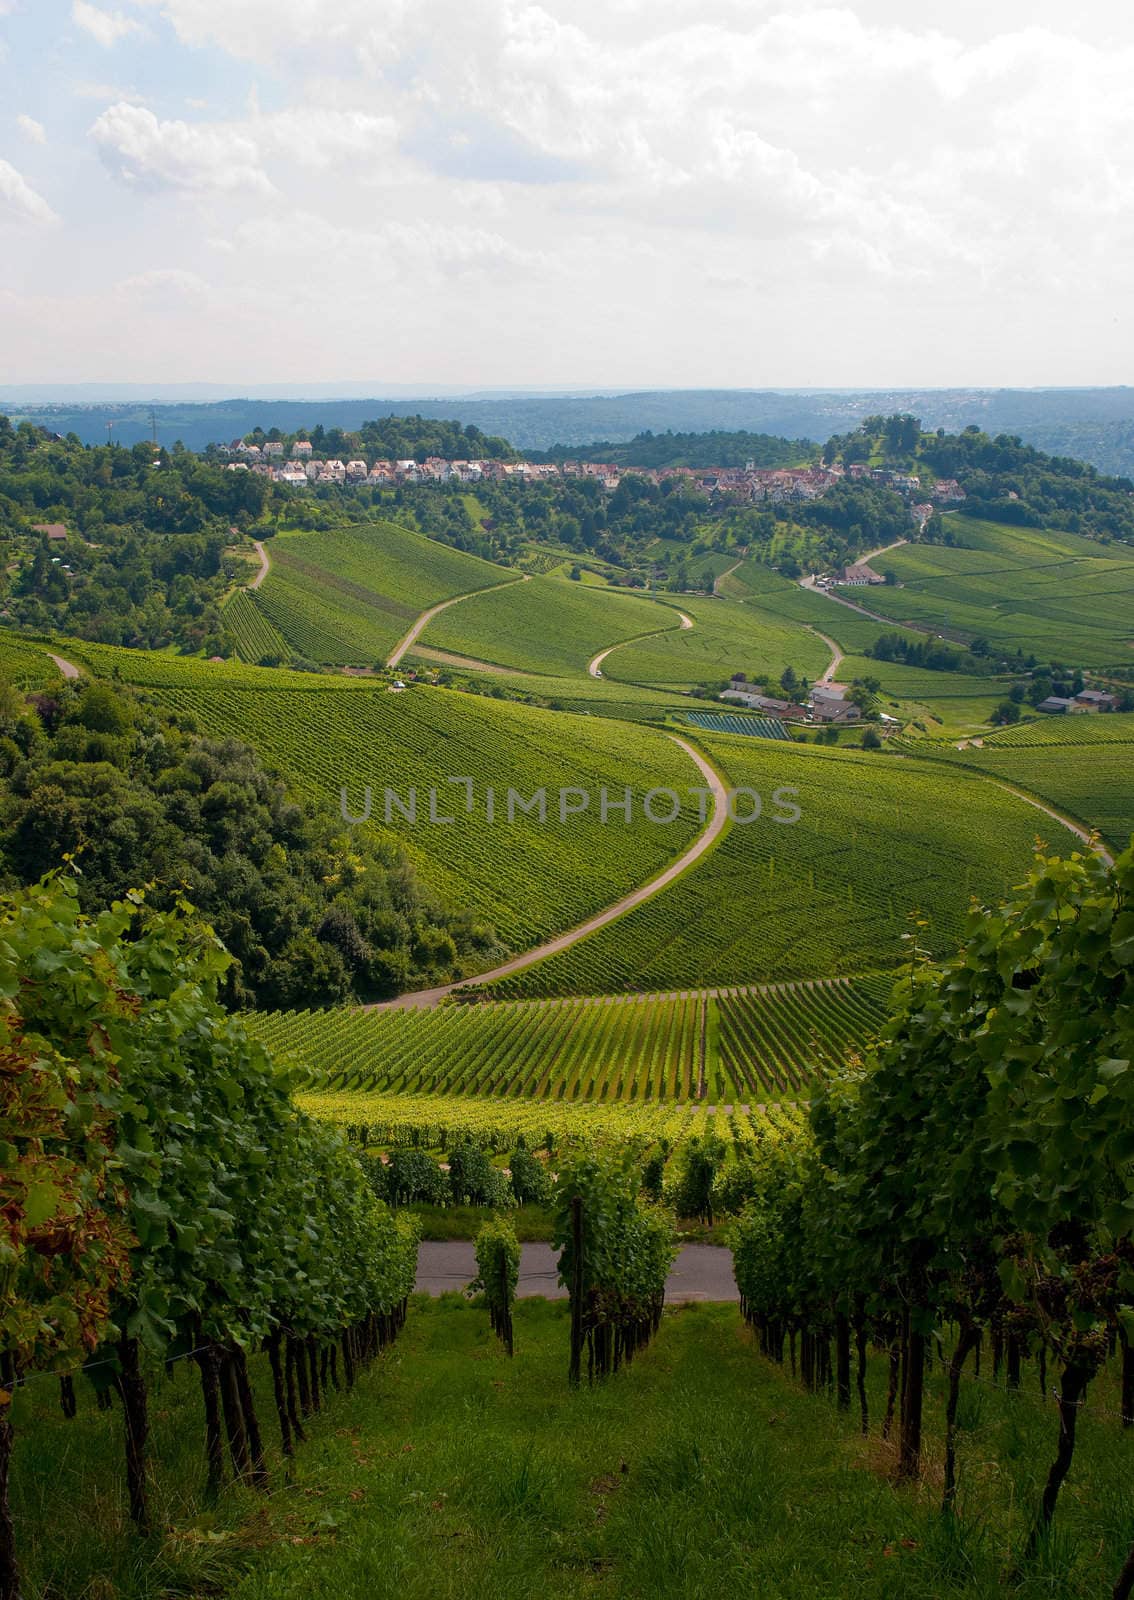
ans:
x=138 y=796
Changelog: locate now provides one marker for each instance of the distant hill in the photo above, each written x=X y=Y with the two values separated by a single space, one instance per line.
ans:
x=1096 y=425
x=714 y=449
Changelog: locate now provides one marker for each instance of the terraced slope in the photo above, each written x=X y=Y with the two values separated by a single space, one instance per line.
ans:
x=879 y=838
x=549 y=625
x=526 y=878
x=347 y=596
x=740 y=1047
x=27 y=664
x=1057 y=595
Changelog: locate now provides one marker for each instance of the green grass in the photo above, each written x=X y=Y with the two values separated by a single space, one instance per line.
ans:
x=880 y=837
x=700 y=1470
x=1057 y=595
x=347 y=596
x=743 y=1047
x=727 y=637
x=548 y=625
x=526 y=879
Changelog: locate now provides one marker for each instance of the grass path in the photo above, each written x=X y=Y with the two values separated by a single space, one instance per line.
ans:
x=421 y=998
x=427 y=616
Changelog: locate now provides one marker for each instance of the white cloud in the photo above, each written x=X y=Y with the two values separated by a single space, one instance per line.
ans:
x=177 y=155
x=33 y=131
x=19 y=201
x=164 y=283
x=105 y=26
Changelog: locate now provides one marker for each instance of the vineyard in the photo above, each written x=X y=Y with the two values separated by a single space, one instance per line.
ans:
x=253 y=636
x=525 y=878
x=1082 y=765
x=26 y=664
x=1056 y=595
x=738 y=1047
x=346 y=597
x=549 y=625
x=735 y=722
x=879 y=840
x=727 y=637
x=437 y=1122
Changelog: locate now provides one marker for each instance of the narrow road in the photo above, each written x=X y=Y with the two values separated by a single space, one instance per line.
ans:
x=265 y=564
x=595 y=663
x=427 y=616
x=837 y=657
x=881 y=551
x=701 y=1271
x=421 y=998
x=67 y=668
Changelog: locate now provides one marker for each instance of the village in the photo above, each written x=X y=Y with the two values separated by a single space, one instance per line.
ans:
x=298 y=465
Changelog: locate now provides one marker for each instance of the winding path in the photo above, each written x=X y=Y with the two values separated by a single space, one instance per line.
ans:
x=1077 y=828
x=265 y=564
x=428 y=616
x=67 y=668
x=837 y=656
x=717 y=581
x=421 y=998
x=595 y=663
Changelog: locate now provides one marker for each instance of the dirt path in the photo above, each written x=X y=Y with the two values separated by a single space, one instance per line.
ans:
x=422 y=998
x=865 y=560
x=595 y=663
x=265 y=564
x=427 y=616
x=67 y=668
x=701 y=1271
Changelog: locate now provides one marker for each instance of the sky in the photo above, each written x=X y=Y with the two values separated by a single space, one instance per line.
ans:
x=634 y=193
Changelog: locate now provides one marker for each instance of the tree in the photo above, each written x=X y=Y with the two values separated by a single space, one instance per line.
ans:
x=871 y=740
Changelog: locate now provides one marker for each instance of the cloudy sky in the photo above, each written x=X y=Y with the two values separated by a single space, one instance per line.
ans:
x=567 y=193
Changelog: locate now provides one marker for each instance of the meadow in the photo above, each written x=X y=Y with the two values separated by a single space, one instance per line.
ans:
x=549 y=625
x=881 y=839
x=524 y=879
x=347 y=596
x=728 y=1048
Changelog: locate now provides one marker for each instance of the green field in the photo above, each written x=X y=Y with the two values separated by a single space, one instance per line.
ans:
x=727 y=637
x=253 y=636
x=548 y=625
x=727 y=1048
x=1082 y=765
x=525 y=879
x=346 y=597
x=1056 y=595
x=880 y=837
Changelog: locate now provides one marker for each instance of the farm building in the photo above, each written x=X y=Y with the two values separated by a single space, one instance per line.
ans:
x=1096 y=700
x=1057 y=706
x=53 y=530
x=826 y=706
x=762 y=702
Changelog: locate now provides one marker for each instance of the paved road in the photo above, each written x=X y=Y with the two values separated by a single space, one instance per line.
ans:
x=701 y=1271
x=421 y=998
x=427 y=616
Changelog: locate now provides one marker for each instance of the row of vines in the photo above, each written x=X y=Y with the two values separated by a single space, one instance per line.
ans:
x=136 y=1119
